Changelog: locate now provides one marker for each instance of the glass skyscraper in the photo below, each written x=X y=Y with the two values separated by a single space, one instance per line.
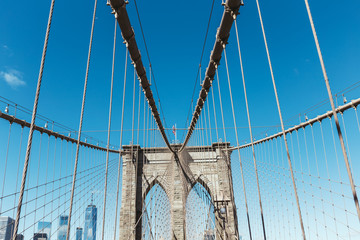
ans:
x=90 y=222
x=6 y=228
x=45 y=227
x=63 y=223
x=79 y=232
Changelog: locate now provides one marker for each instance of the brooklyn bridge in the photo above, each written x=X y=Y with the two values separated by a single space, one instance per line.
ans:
x=236 y=168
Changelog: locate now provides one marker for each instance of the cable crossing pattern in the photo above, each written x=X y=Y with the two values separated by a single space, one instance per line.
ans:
x=228 y=178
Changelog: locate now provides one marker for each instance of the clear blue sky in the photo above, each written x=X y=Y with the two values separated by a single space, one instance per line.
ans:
x=175 y=34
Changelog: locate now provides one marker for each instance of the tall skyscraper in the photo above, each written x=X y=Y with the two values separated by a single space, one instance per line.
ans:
x=45 y=227
x=79 y=232
x=63 y=223
x=6 y=228
x=90 y=222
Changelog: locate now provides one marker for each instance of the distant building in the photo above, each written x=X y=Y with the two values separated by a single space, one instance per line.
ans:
x=19 y=237
x=79 y=232
x=63 y=224
x=90 y=222
x=209 y=235
x=45 y=227
x=40 y=236
x=6 y=228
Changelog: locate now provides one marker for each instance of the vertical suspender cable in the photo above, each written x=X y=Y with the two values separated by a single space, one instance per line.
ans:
x=208 y=113
x=139 y=112
x=6 y=160
x=216 y=126
x=250 y=130
x=133 y=110
x=81 y=122
x=109 y=127
x=18 y=166
x=32 y=125
x=331 y=99
x=221 y=106
x=121 y=135
x=237 y=143
x=281 y=121
x=132 y=139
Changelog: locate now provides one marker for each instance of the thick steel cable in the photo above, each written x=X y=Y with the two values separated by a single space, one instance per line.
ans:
x=208 y=111
x=92 y=185
x=221 y=106
x=121 y=136
x=109 y=127
x=132 y=230
x=37 y=178
x=318 y=177
x=47 y=166
x=237 y=142
x=328 y=176
x=129 y=37
x=339 y=172
x=32 y=125
x=132 y=136
x=53 y=180
x=206 y=126
x=281 y=121
x=138 y=120
x=18 y=166
x=148 y=56
x=214 y=108
x=226 y=147
x=133 y=110
x=81 y=121
x=144 y=130
x=249 y=123
x=231 y=7
x=331 y=99
x=201 y=56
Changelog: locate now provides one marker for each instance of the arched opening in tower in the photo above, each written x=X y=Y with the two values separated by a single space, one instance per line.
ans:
x=156 y=219
x=200 y=216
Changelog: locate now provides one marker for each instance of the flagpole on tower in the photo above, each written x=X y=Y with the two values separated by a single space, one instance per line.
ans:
x=174 y=132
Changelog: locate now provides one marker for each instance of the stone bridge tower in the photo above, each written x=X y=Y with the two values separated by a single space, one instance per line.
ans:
x=177 y=174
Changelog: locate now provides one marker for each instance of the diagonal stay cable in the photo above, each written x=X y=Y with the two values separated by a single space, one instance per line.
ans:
x=81 y=121
x=223 y=33
x=119 y=8
x=32 y=125
x=331 y=99
x=201 y=57
x=281 y=121
x=250 y=129
x=108 y=132
x=148 y=57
